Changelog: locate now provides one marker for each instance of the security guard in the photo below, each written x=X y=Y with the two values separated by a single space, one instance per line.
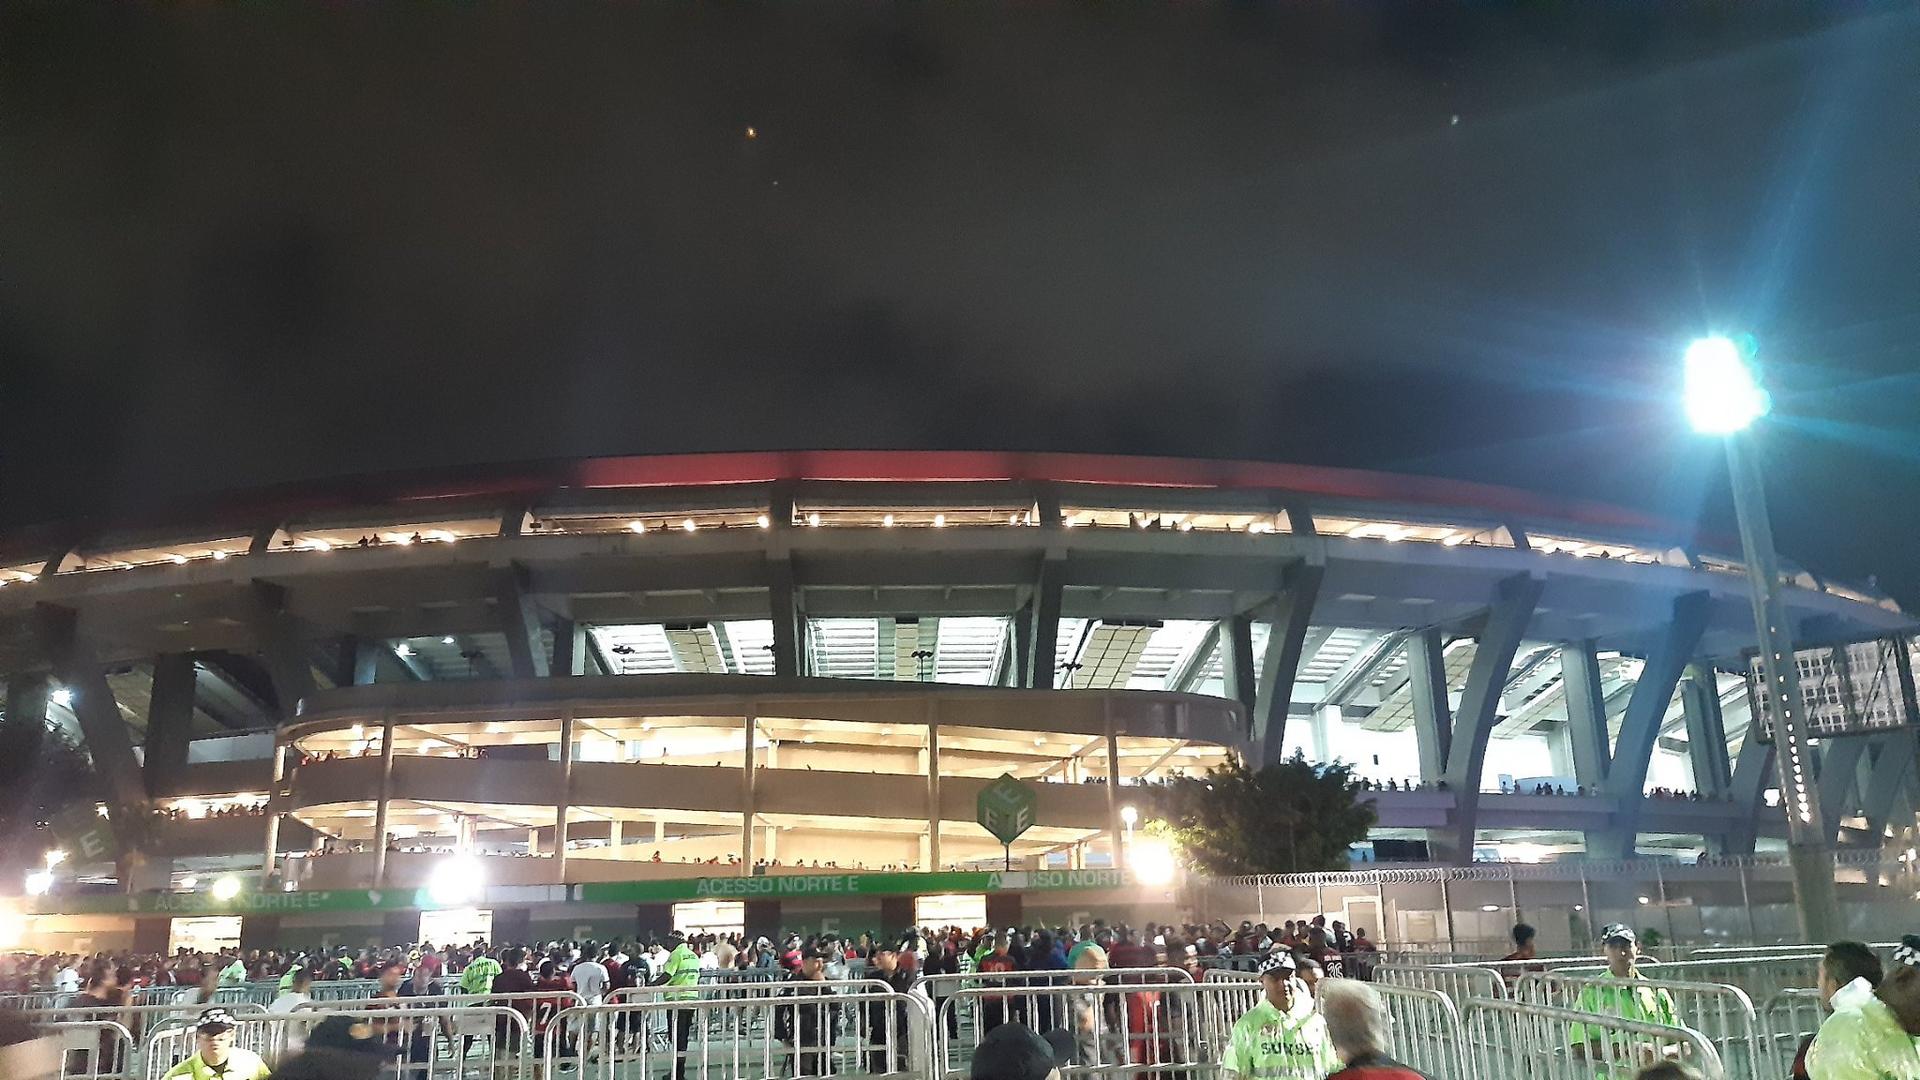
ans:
x=1282 y=1038
x=216 y=1057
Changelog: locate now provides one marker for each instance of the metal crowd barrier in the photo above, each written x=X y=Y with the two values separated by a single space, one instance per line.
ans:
x=444 y=1001
x=36 y=1000
x=1512 y=1040
x=98 y=1049
x=138 y=1021
x=1760 y=977
x=796 y=1029
x=1723 y=1014
x=344 y=989
x=1229 y=975
x=1456 y=982
x=1119 y=1030
x=488 y=1043
x=1424 y=1031
x=1786 y=1019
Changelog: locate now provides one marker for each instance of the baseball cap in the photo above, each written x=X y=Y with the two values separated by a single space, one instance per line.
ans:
x=214 y=1021
x=1012 y=1052
x=1618 y=932
x=1280 y=963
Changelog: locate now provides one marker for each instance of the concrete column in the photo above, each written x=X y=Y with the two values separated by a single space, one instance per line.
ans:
x=276 y=805
x=386 y=798
x=1509 y=611
x=533 y=841
x=1706 y=732
x=659 y=831
x=1586 y=715
x=613 y=833
x=563 y=801
x=933 y=785
x=1286 y=646
x=1113 y=787
x=1236 y=660
x=569 y=648
x=773 y=844
x=169 y=722
x=748 y=726
x=1432 y=712
x=1325 y=720
x=1640 y=725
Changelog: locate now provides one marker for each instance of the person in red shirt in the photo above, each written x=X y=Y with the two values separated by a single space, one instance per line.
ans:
x=993 y=1010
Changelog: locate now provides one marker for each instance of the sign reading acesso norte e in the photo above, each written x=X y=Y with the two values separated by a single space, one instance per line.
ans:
x=882 y=884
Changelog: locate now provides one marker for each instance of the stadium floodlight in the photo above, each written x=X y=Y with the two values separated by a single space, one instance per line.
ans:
x=55 y=857
x=456 y=881
x=226 y=888
x=1153 y=862
x=1723 y=394
x=39 y=882
x=1129 y=815
x=1724 y=398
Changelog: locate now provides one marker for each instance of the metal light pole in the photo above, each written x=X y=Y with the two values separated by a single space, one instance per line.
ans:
x=1724 y=398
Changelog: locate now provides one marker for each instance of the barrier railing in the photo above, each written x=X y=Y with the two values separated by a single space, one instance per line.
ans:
x=1760 y=977
x=1229 y=975
x=1511 y=1040
x=37 y=999
x=1723 y=1014
x=733 y=991
x=1456 y=982
x=1118 y=1029
x=139 y=1021
x=522 y=1001
x=1786 y=1019
x=1424 y=1031
x=475 y=1043
x=98 y=1049
x=344 y=989
x=798 y=1031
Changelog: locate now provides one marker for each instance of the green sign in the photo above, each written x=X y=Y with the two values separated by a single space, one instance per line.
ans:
x=204 y=902
x=86 y=834
x=1006 y=808
x=799 y=886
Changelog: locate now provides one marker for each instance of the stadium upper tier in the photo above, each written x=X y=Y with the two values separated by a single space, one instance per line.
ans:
x=1418 y=629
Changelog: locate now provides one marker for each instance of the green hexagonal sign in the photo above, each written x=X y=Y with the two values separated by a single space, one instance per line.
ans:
x=1006 y=808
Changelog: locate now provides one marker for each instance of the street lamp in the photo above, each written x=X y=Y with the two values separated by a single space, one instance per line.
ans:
x=1724 y=398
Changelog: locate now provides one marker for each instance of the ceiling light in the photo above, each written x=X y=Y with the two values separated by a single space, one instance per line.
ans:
x=189 y=883
x=448 y=640
x=1186 y=526
x=637 y=526
x=939 y=521
x=403 y=649
x=226 y=888
x=688 y=525
x=319 y=545
x=219 y=554
x=1489 y=907
x=1013 y=519
x=61 y=696
x=887 y=521
x=443 y=536
x=178 y=560
x=1454 y=539
x=762 y=521
x=29 y=577
x=398 y=538
x=813 y=520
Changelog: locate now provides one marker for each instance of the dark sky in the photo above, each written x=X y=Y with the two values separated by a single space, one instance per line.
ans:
x=262 y=242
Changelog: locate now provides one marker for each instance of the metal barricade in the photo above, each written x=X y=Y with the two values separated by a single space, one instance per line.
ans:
x=139 y=1021
x=1513 y=1040
x=1786 y=1019
x=485 y=1043
x=1458 y=982
x=729 y=1024
x=941 y=989
x=37 y=1000
x=250 y=994
x=800 y=1030
x=344 y=989
x=1118 y=1029
x=1723 y=1014
x=98 y=1049
x=1760 y=977
x=1424 y=1031
x=1229 y=975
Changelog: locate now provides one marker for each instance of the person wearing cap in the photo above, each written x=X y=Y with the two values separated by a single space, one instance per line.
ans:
x=1642 y=1004
x=808 y=1030
x=1012 y=1052
x=681 y=971
x=1870 y=1035
x=883 y=965
x=1282 y=1038
x=215 y=1057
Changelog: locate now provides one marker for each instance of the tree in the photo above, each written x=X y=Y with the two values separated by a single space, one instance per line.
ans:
x=1293 y=817
x=43 y=770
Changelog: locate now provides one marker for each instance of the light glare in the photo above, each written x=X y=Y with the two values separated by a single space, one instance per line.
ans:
x=1153 y=862
x=1722 y=394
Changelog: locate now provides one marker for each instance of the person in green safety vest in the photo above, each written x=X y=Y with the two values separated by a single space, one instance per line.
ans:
x=1618 y=1054
x=1870 y=1035
x=478 y=976
x=234 y=974
x=1282 y=1038
x=215 y=1057
x=682 y=969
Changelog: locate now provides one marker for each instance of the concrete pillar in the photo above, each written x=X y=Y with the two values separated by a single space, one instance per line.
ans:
x=613 y=833
x=169 y=722
x=659 y=831
x=276 y=805
x=569 y=648
x=1113 y=787
x=1326 y=719
x=533 y=841
x=1432 y=712
x=749 y=725
x=563 y=799
x=1286 y=646
x=933 y=784
x=773 y=844
x=1586 y=715
x=386 y=798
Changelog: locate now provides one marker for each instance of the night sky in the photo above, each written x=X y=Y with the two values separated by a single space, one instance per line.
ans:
x=252 y=243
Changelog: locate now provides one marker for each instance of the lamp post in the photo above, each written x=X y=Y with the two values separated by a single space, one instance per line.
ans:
x=1724 y=398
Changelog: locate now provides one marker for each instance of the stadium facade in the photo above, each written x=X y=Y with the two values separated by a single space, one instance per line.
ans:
x=638 y=673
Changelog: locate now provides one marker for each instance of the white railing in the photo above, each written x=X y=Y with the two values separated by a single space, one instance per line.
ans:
x=1787 y=1019
x=1510 y=1040
x=1723 y=1014
x=1118 y=1030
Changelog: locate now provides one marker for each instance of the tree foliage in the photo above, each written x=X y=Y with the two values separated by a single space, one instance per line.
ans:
x=1293 y=817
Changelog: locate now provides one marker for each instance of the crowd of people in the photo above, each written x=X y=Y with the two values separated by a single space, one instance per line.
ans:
x=1309 y=1023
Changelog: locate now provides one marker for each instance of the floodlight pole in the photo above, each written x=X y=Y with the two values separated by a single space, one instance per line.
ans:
x=1807 y=842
